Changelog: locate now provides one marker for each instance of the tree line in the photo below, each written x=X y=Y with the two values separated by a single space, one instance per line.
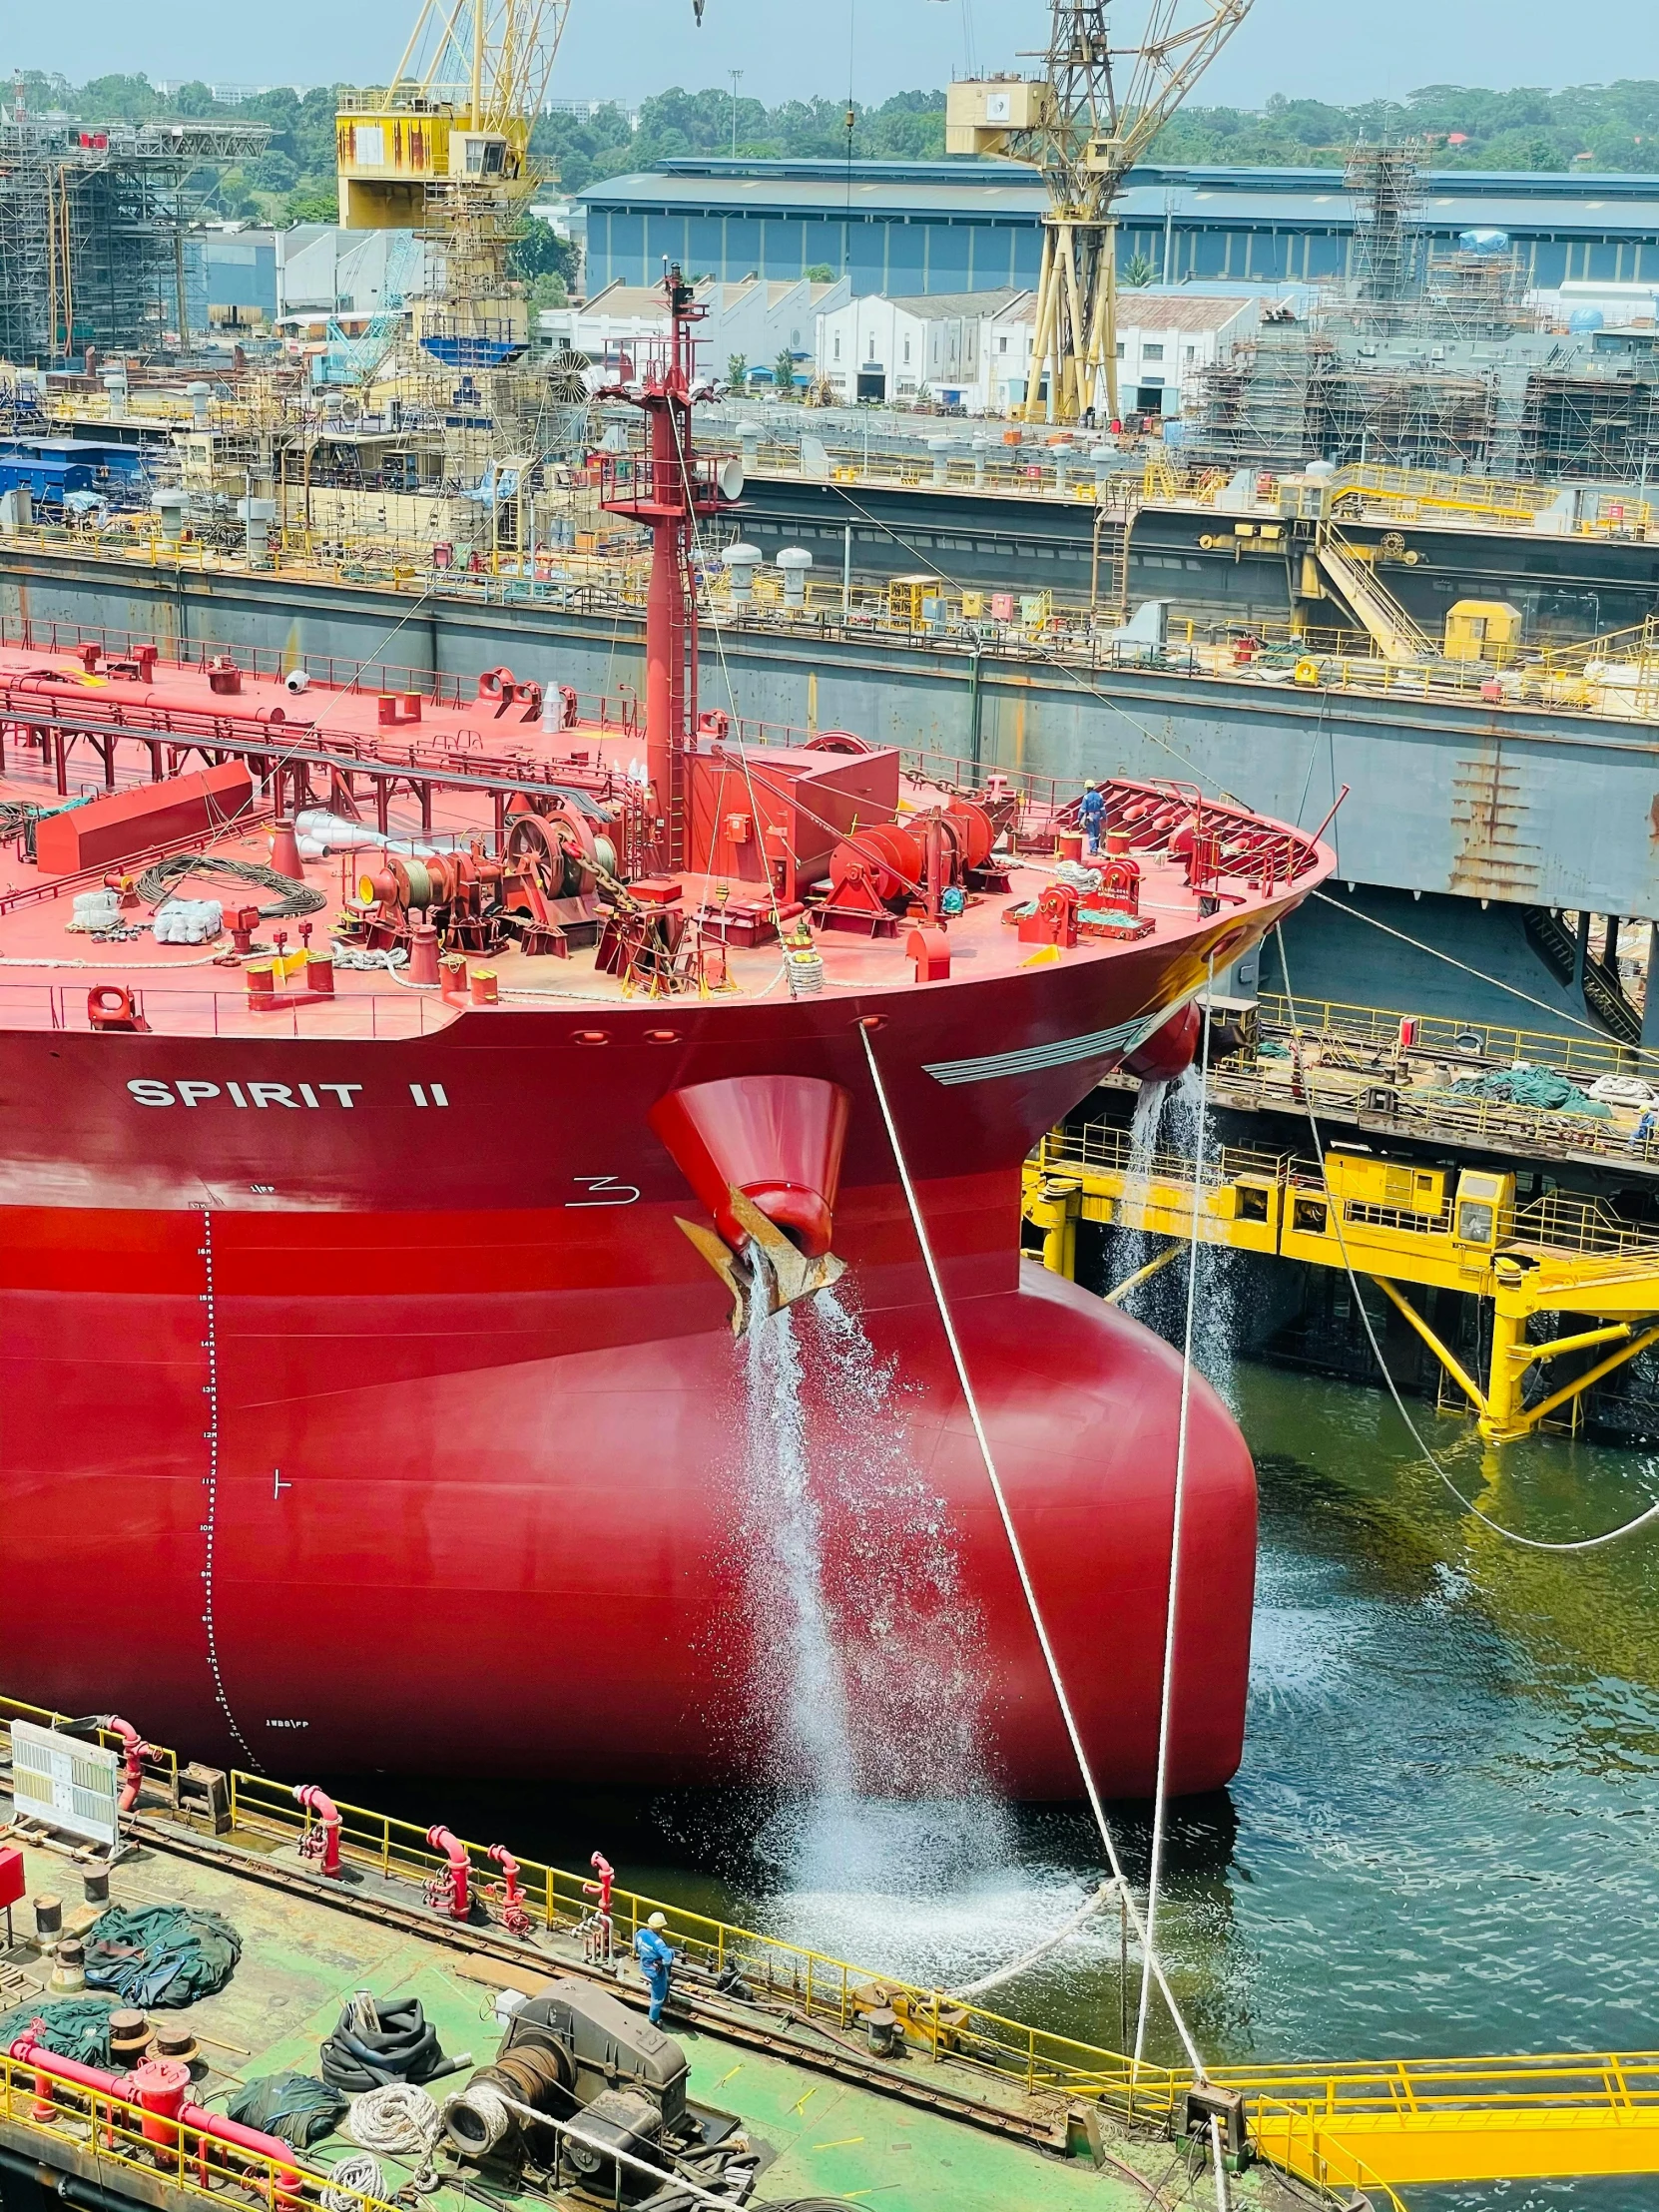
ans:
x=1596 y=127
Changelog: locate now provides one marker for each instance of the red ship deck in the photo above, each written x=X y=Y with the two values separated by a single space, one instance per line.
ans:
x=188 y=992
x=462 y=1368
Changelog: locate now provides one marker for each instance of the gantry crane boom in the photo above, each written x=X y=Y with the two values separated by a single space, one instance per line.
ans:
x=1085 y=124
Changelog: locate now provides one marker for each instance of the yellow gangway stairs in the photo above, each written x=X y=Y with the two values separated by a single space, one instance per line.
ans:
x=1439 y=2120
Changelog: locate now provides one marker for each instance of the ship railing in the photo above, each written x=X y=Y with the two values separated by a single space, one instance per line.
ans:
x=1557 y=1224
x=1109 y=1148
x=1249 y=842
x=117 y=2134
x=1560 y=679
x=1418 y=1111
x=175 y=1012
x=1551 y=2080
x=1290 y=2137
x=1445 y=1036
x=813 y=1983
x=618 y=710
x=1289 y=2108
x=120 y=2136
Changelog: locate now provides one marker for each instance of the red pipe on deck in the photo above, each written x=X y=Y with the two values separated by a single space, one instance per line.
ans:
x=133 y=1749
x=504 y=1858
x=27 y=2052
x=318 y=1802
x=460 y=1869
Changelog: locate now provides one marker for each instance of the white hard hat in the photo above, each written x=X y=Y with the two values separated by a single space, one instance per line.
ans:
x=656 y=1919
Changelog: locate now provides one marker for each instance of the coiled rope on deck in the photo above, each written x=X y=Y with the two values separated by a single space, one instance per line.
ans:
x=158 y=884
x=398 y=2118
x=350 y=2179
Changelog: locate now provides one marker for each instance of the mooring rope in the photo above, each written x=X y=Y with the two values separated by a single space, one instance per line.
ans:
x=1166 y=1695
x=1085 y=1912
x=1022 y=1570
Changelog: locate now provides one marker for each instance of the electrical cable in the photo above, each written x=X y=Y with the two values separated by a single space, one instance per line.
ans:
x=1510 y=1536
x=378 y=2046
x=160 y=882
x=1166 y=1694
x=1017 y=1552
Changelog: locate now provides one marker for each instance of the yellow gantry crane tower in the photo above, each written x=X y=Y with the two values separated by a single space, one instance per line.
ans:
x=453 y=119
x=1085 y=122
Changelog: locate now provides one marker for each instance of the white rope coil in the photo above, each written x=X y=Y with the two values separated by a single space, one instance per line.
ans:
x=350 y=2179
x=398 y=2120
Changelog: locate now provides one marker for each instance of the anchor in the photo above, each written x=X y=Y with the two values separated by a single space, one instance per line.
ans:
x=777 y=1264
x=764 y=1154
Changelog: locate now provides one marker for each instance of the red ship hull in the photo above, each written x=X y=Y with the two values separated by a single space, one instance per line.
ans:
x=385 y=1432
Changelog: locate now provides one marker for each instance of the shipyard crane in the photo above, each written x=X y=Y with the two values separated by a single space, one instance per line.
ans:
x=1084 y=122
x=453 y=121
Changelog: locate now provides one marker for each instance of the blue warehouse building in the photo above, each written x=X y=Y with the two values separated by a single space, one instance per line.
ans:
x=966 y=224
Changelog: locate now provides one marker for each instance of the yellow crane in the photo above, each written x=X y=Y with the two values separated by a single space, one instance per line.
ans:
x=453 y=121
x=1084 y=122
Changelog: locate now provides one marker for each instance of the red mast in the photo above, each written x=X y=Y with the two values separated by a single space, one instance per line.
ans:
x=666 y=489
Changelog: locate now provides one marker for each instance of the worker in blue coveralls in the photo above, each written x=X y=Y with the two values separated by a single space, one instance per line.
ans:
x=1091 y=814
x=654 y=1960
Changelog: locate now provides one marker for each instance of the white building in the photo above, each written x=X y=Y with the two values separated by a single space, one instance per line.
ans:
x=751 y=319
x=973 y=349
x=323 y=271
x=886 y=348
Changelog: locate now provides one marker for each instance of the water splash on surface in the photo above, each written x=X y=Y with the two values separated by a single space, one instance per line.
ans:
x=1166 y=1119
x=869 y=1663
x=795 y=1663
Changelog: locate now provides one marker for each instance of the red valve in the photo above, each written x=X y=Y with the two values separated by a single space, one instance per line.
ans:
x=449 y=1892
x=323 y=1842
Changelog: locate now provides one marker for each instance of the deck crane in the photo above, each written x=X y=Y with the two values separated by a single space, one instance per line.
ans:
x=1084 y=122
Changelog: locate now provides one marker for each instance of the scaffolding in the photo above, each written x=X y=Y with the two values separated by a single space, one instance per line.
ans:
x=1388 y=238
x=1260 y=407
x=1587 y=424
x=1406 y=418
x=92 y=231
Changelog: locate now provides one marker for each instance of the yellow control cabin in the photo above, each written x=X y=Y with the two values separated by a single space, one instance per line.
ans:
x=388 y=157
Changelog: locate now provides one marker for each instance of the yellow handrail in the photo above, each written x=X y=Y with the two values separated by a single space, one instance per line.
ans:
x=822 y=1986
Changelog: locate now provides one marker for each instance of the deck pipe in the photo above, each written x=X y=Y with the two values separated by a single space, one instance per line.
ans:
x=134 y=1750
x=48 y=2066
x=504 y=1858
x=460 y=1869
x=318 y=1802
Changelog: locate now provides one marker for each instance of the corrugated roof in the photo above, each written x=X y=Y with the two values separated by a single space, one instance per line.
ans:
x=1170 y=310
x=952 y=169
x=1008 y=196
x=989 y=302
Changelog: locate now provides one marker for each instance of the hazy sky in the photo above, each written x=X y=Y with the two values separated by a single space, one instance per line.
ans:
x=1341 y=50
